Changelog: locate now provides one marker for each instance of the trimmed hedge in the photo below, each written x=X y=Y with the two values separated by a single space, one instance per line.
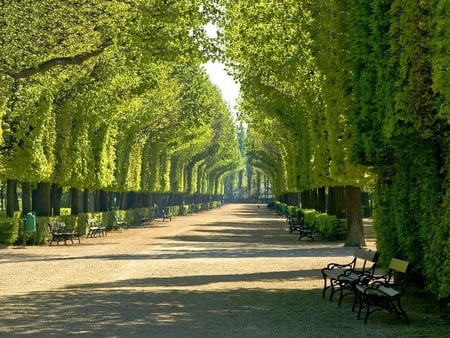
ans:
x=330 y=227
x=11 y=229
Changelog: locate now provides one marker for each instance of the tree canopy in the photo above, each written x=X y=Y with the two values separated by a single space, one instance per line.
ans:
x=352 y=94
x=111 y=95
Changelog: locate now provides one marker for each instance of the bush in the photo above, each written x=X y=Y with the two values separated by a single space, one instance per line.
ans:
x=329 y=227
x=9 y=230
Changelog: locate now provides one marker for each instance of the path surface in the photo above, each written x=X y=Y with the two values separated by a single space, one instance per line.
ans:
x=228 y=272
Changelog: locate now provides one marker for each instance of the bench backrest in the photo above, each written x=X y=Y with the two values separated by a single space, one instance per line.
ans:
x=56 y=226
x=366 y=254
x=397 y=277
x=365 y=259
x=398 y=265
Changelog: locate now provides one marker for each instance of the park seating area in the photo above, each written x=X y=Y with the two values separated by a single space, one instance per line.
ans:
x=95 y=229
x=384 y=292
x=341 y=277
x=166 y=215
x=371 y=292
x=301 y=226
x=59 y=232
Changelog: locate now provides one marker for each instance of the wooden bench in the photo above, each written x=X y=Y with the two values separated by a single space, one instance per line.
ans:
x=345 y=277
x=95 y=228
x=60 y=233
x=384 y=292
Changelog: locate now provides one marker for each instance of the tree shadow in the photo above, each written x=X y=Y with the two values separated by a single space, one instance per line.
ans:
x=135 y=309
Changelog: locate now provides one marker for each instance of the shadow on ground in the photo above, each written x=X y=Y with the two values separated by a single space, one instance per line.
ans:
x=194 y=305
x=117 y=311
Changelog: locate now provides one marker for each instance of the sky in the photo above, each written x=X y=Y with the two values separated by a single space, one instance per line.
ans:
x=218 y=75
x=226 y=84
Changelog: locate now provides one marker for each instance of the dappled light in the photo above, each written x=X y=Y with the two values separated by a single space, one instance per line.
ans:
x=233 y=271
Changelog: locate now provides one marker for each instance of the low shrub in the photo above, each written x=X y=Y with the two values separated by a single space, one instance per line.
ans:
x=9 y=230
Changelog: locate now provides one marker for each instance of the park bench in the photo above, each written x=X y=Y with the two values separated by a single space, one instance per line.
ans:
x=60 y=233
x=384 y=292
x=166 y=216
x=306 y=230
x=345 y=277
x=294 y=223
x=95 y=228
x=120 y=223
x=300 y=225
x=145 y=220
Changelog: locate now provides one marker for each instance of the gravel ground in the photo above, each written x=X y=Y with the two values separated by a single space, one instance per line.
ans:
x=228 y=272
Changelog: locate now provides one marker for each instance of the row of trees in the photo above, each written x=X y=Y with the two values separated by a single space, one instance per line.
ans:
x=353 y=94
x=109 y=96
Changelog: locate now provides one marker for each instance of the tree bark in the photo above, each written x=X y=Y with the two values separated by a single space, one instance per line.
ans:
x=11 y=197
x=123 y=201
x=42 y=202
x=74 y=201
x=56 y=195
x=86 y=200
x=103 y=200
x=336 y=201
x=355 y=229
x=26 y=198
x=321 y=195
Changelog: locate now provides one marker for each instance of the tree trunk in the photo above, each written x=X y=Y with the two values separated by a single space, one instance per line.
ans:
x=103 y=200
x=11 y=197
x=26 y=198
x=42 y=202
x=336 y=201
x=304 y=197
x=86 y=201
x=314 y=199
x=355 y=230
x=56 y=195
x=123 y=201
x=74 y=201
x=321 y=195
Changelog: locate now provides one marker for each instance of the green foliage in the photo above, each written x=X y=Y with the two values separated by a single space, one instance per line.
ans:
x=329 y=227
x=9 y=230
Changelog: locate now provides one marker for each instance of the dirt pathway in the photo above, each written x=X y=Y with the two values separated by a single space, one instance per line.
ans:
x=229 y=272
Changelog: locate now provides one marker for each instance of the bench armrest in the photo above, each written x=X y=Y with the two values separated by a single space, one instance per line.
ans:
x=331 y=266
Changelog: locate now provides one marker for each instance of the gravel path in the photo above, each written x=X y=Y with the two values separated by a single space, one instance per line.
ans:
x=228 y=272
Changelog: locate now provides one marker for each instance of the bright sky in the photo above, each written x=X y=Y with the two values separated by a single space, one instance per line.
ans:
x=218 y=76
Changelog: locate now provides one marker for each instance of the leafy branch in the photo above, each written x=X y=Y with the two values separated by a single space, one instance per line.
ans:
x=60 y=61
